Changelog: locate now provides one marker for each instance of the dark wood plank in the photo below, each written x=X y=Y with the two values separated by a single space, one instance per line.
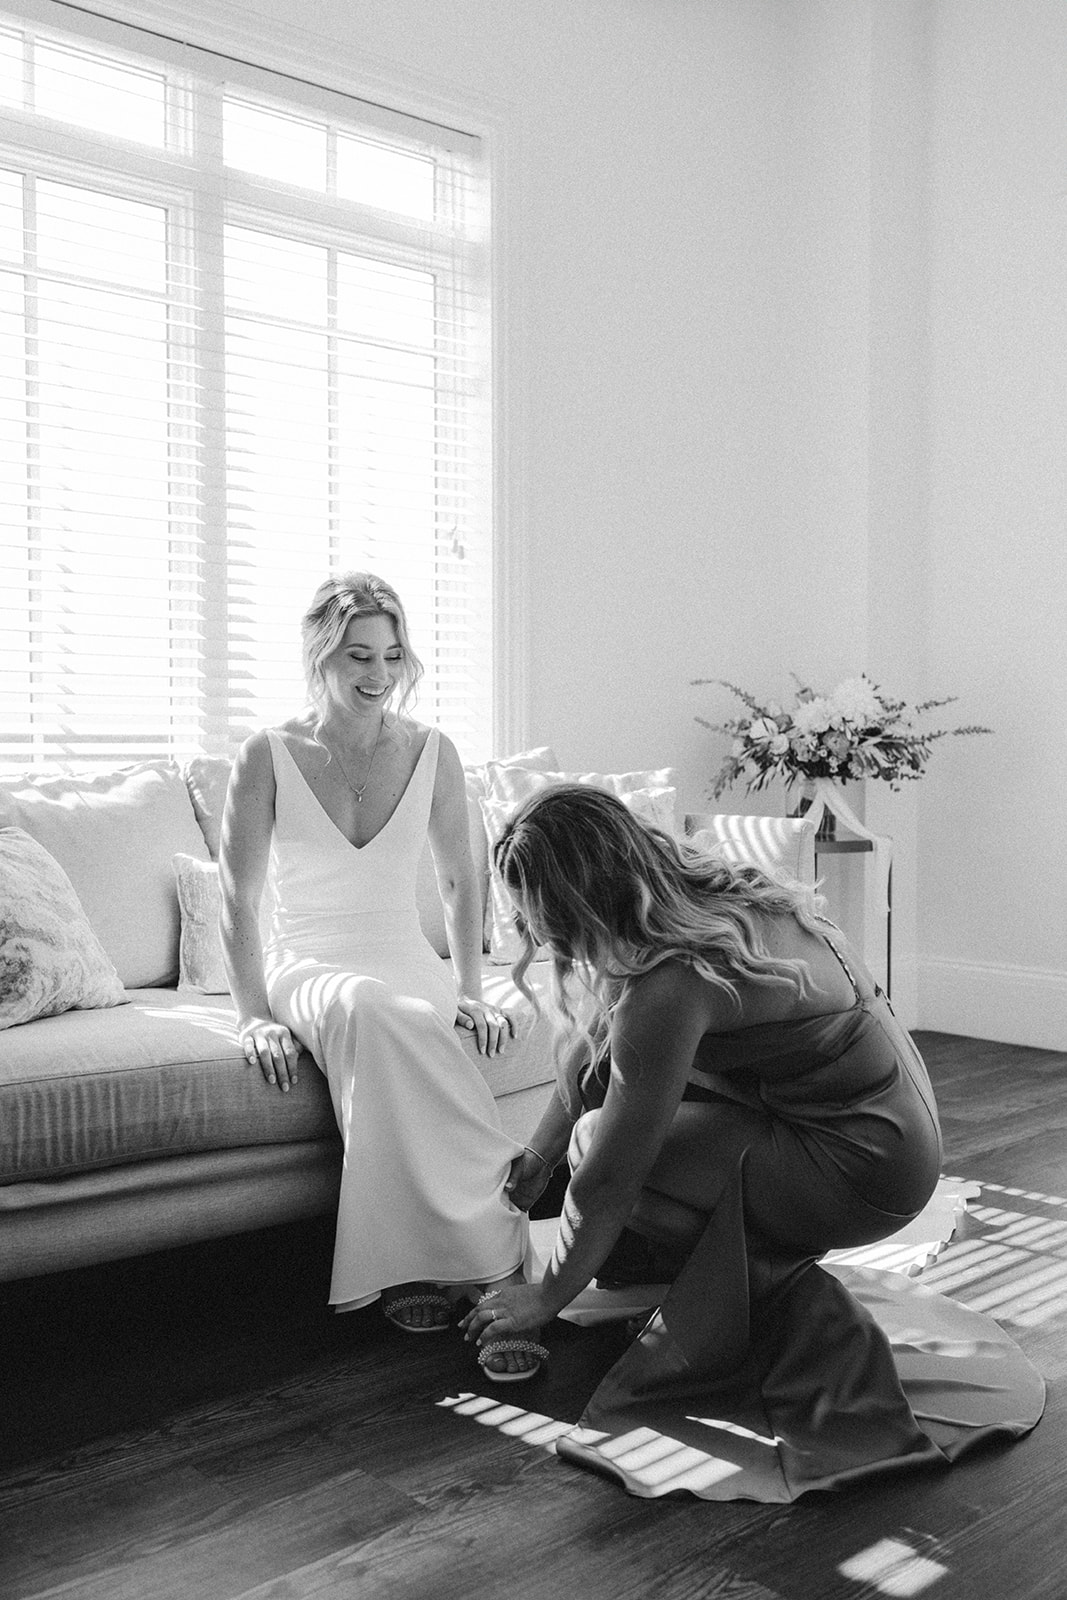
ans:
x=227 y=1551
x=197 y=1425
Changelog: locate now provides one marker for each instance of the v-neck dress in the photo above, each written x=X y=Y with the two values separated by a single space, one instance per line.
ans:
x=764 y=1374
x=350 y=972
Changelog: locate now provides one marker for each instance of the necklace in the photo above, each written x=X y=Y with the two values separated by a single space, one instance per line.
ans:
x=357 y=788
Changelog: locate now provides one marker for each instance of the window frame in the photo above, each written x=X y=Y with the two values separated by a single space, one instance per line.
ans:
x=155 y=176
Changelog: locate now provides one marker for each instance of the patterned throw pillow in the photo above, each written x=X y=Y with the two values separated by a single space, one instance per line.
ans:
x=649 y=795
x=207 y=778
x=200 y=964
x=50 y=958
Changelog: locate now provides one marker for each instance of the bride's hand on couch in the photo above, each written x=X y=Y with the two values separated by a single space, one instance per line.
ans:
x=270 y=1046
x=495 y=1028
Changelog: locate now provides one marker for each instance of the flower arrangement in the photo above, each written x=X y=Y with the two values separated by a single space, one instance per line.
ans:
x=854 y=732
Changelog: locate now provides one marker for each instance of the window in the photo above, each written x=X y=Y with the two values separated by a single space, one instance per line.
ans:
x=243 y=343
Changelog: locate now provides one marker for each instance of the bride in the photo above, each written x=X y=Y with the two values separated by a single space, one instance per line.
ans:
x=328 y=814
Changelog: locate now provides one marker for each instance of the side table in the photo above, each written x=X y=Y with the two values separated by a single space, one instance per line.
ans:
x=841 y=847
x=829 y=800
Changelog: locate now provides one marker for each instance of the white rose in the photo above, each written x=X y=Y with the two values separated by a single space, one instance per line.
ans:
x=857 y=700
x=814 y=716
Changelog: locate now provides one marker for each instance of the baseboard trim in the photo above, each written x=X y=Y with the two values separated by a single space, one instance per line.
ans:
x=1013 y=1005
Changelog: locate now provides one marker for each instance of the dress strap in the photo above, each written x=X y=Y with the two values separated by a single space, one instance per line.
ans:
x=849 y=974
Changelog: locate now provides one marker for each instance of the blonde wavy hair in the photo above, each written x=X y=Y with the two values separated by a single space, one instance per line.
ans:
x=613 y=896
x=336 y=601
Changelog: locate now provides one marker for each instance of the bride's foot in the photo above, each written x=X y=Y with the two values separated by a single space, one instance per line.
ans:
x=519 y=1356
x=516 y=1360
x=417 y=1307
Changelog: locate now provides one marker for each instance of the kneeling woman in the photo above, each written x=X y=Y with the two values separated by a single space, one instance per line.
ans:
x=746 y=1102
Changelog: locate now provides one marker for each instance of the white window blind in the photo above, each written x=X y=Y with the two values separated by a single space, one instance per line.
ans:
x=243 y=343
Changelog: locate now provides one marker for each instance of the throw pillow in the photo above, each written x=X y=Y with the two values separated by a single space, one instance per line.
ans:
x=51 y=959
x=480 y=786
x=431 y=911
x=207 y=778
x=200 y=963
x=508 y=780
x=654 y=805
x=114 y=834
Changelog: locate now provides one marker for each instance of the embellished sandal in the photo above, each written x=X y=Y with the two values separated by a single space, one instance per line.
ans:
x=426 y=1297
x=500 y=1347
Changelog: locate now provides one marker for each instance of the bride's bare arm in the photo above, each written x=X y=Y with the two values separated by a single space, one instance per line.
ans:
x=245 y=846
x=462 y=900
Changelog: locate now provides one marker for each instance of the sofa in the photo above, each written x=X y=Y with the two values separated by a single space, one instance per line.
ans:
x=130 y=1120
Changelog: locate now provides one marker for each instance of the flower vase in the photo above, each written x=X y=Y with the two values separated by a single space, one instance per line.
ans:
x=826 y=827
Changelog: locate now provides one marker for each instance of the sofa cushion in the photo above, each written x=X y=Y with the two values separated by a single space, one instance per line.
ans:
x=50 y=958
x=114 y=834
x=164 y=1076
x=528 y=1060
x=160 y=1076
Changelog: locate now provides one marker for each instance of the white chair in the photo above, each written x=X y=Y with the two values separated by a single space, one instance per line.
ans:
x=777 y=844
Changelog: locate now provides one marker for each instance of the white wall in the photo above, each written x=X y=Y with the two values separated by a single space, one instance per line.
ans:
x=782 y=325
x=643 y=207
x=993 y=846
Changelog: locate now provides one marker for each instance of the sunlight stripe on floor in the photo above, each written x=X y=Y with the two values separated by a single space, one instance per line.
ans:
x=532 y=1427
x=893 y=1568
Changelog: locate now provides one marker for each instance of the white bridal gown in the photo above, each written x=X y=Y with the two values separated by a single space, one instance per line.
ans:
x=350 y=972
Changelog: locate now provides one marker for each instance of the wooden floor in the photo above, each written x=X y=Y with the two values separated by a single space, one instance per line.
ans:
x=195 y=1426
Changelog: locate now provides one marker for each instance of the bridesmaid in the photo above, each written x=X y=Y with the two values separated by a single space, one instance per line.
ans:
x=748 y=1102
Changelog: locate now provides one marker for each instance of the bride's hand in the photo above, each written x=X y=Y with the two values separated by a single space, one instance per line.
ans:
x=494 y=1028
x=270 y=1046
